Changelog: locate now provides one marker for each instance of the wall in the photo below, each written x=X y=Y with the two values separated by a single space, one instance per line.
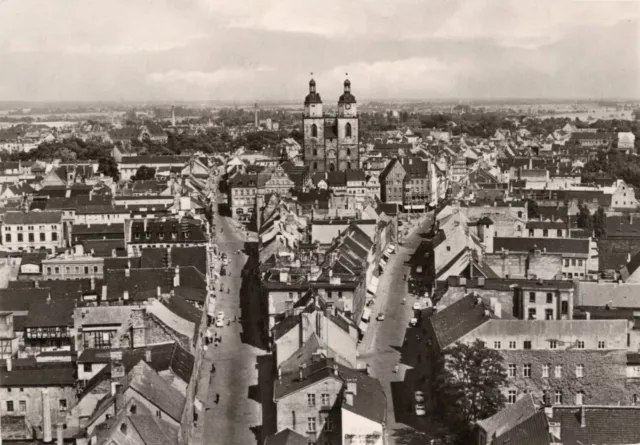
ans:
x=604 y=380
x=547 y=266
x=33 y=396
x=358 y=426
x=297 y=402
x=131 y=394
x=511 y=265
x=333 y=336
x=88 y=375
x=48 y=230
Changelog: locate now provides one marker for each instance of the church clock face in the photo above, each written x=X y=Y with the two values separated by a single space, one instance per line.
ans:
x=348 y=106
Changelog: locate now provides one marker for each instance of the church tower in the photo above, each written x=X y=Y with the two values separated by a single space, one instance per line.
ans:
x=313 y=125
x=348 y=155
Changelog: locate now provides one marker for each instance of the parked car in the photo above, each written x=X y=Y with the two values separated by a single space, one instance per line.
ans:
x=223 y=271
x=220 y=315
x=380 y=316
x=417 y=306
x=420 y=410
x=419 y=396
x=219 y=322
x=414 y=322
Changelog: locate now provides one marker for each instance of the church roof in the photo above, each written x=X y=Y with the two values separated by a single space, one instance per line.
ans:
x=312 y=98
x=347 y=98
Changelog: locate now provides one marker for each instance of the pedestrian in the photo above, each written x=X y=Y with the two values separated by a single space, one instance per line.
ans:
x=217 y=398
x=213 y=368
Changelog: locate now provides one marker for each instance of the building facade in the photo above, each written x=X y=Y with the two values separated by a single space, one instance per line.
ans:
x=27 y=231
x=330 y=142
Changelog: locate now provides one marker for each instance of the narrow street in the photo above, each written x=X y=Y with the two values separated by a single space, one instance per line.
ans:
x=237 y=417
x=384 y=344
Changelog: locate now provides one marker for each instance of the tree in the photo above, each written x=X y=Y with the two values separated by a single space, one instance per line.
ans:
x=600 y=222
x=584 y=218
x=469 y=383
x=108 y=167
x=532 y=209
x=144 y=173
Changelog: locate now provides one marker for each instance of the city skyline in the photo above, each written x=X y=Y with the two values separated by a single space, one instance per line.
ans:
x=200 y=50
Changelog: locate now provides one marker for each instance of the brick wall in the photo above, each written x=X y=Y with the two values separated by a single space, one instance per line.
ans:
x=512 y=265
x=545 y=266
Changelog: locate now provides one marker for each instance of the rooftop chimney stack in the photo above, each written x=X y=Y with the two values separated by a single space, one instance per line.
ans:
x=583 y=417
x=176 y=277
x=301 y=372
x=46 y=416
x=147 y=356
x=59 y=434
x=9 y=364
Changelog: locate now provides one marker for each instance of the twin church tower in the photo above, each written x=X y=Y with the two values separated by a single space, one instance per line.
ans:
x=330 y=141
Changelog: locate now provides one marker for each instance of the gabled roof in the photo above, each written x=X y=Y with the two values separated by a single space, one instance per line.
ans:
x=532 y=431
x=549 y=245
x=52 y=313
x=603 y=425
x=455 y=321
x=33 y=218
x=508 y=417
x=144 y=380
x=286 y=437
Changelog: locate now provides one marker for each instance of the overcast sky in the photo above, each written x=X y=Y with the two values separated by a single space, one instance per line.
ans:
x=266 y=49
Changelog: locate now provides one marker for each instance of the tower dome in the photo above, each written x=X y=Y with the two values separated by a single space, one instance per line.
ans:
x=347 y=97
x=313 y=97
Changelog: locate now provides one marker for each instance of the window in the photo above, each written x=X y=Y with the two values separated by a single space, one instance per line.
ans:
x=49 y=270
x=545 y=233
x=512 y=396
x=549 y=298
x=87 y=367
x=512 y=344
x=347 y=130
x=526 y=370
x=314 y=131
x=566 y=262
x=311 y=424
x=158 y=413
x=532 y=313
x=67 y=269
x=558 y=398
x=62 y=404
x=580 y=344
x=57 y=270
x=328 y=423
x=579 y=370
x=496 y=345
x=326 y=399
x=546 y=397
x=448 y=248
x=545 y=371
x=558 y=372
x=601 y=344
x=43 y=237
x=532 y=297
x=520 y=214
x=573 y=262
x=311 y=399
x=123 y=428
x=54 y=236
x=512 y=370
x=20 y=239
x=10 y=406
x=86 y=270
x=527 y=344
x=580 y=397
x=553 y=344
x=7 y=238
x=22 y=406
x=315 y=152
x=564 y=306
x=559 y=233
x=31 y=237
x=548 y=314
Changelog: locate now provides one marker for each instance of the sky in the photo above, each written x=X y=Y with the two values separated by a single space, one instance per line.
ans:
x=248 y=50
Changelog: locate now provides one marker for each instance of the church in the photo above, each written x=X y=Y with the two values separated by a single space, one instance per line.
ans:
x=330 y=141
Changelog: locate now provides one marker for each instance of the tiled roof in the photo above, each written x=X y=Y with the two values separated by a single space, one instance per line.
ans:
x=603 y=425
x=21 y=299
x=154 y=431
x=83 y=229
x=186 y=230
x=146 y=381
x=508 y=417
x=286 y=437
x=41 y=374
x=549 y=245
x=50 y=314
x=33 y=218
x=532 y=431
x=104 y=248
x=615 y=295
x=457 y=320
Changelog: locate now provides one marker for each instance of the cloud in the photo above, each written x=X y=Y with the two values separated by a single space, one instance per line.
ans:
x=208 y=79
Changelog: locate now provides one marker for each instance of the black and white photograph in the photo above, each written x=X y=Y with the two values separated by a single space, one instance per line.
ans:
x=305 y=222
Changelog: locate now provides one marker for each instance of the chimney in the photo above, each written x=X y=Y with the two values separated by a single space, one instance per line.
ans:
x=125 y=295
x=159 y=291
x=301 y=372
x=147 y=356
x=348 y=397
x=176 y=277
x=583 y=417
x=93 y=283
x=335 y=369
x=127 y=272
x=628 y=257
x=588 y=314
x=104 y=292
x=59 y=435
x=280 y=374
x=46 y=416
x=36 y=284
x=9 y=364
x=114 y=388
x=113 y=253
x=497 y=309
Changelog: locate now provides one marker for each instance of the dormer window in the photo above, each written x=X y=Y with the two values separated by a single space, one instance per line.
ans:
x=147 y=235
x=136 y=236
x=161 y=235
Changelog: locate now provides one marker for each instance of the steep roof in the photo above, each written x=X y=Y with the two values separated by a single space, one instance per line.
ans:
x=457 y=320
x=549 y=245
x=603 y=425
x=154 y=388
x=40 y=374
x=286 y=437
x=508 y=417
x=54 y=313
x=33 y=218
x=532 y=431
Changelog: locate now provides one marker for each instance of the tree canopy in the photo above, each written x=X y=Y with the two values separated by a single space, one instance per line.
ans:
x=584 y=218
x=144 y=173
x=468 y=387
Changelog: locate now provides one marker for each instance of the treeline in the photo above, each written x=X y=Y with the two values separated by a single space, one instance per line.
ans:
x=614 y=164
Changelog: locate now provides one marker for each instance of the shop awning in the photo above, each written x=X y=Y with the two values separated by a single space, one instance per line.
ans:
x=366 y=315
x=363 y=327
x=372 y=287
